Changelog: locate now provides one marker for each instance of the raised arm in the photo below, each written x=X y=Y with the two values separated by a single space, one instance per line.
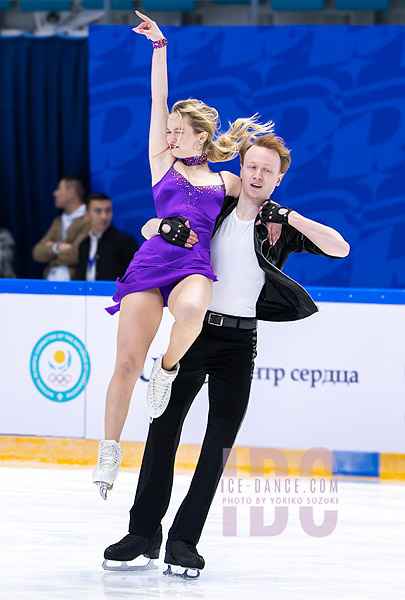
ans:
x=326 y=238
x=160 y=157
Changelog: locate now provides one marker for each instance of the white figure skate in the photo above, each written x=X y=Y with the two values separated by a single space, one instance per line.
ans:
x=159 y=388
x=108 y=465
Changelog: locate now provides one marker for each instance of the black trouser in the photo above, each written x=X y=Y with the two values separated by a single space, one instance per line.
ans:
x=226 y=354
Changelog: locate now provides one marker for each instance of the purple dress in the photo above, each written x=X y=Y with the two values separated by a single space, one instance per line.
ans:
x=159 y=264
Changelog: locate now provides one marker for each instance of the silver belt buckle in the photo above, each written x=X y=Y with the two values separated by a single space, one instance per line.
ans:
x=216 y=315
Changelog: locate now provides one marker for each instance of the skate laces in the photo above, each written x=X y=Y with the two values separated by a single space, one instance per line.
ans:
x=188 y=546
x=124 y=542
x=160 y=389
x=110 y=455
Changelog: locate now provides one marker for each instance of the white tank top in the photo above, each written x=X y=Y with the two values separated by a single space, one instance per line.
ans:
x=240 y=279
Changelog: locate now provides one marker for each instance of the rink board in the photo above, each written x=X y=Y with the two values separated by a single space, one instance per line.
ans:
x=334 y=380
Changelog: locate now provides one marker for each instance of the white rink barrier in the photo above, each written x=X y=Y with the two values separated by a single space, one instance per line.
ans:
x=333 y=380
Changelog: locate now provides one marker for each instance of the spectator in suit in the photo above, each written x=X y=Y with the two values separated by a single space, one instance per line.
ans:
x=7 y=244
x=59 y=248
x=106 y=252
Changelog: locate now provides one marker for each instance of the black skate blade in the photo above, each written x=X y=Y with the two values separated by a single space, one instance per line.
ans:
x=182 y=572
x=129 y=565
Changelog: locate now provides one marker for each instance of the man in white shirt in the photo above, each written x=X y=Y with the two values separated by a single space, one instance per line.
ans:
x=247 y=253
x=60 y=245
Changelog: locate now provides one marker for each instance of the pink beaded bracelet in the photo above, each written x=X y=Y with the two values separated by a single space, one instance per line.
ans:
x=160 y=43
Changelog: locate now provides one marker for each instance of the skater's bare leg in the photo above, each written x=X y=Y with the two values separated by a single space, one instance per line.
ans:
x=188 y=303
x=140 y=316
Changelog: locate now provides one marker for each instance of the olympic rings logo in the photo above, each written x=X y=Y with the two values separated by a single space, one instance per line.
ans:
x=60 y=366
x=59 y=379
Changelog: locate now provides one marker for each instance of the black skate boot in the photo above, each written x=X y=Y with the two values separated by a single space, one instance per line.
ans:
x=183 y=560
x=129 y=548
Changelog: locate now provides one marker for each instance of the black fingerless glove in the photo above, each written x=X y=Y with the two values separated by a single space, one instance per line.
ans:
x=179 y=232
x=271 y=213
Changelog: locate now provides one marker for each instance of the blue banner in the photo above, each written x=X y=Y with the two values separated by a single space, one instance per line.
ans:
x=336 y=94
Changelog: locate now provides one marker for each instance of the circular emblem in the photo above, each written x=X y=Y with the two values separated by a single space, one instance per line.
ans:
x=60 y=366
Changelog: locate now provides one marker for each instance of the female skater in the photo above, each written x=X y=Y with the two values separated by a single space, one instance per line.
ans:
x=162 y=274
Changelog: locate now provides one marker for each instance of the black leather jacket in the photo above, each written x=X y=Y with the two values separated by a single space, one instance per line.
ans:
x=281 y=298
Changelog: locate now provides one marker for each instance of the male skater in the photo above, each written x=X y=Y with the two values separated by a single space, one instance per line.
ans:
x=250 y=286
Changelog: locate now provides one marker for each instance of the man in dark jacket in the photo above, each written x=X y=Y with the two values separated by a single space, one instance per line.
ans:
x=247 y=256
x=106 y=253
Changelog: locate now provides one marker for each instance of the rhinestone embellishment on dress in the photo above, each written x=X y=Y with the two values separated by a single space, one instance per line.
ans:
x=193 y=192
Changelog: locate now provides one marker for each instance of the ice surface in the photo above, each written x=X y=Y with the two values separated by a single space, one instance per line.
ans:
x=55 y=526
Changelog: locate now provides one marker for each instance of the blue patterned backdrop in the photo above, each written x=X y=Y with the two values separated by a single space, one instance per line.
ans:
x=337 y=96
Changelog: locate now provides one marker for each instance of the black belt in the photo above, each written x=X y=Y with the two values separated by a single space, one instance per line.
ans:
x=213 y=318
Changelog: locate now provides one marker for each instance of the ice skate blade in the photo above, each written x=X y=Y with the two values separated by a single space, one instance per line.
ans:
x=124 y=566
x=103 y=489
x=182 y=572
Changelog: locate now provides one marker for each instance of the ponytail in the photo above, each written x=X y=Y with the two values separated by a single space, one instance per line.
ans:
x=240 y=134
x=227 y=145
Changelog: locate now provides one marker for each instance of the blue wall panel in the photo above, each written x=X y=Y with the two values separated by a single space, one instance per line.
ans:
x=108 y=288
x=336 y=94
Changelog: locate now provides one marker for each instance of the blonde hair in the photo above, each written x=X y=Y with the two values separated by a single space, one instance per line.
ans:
x=272 y=142
x=221 y=147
